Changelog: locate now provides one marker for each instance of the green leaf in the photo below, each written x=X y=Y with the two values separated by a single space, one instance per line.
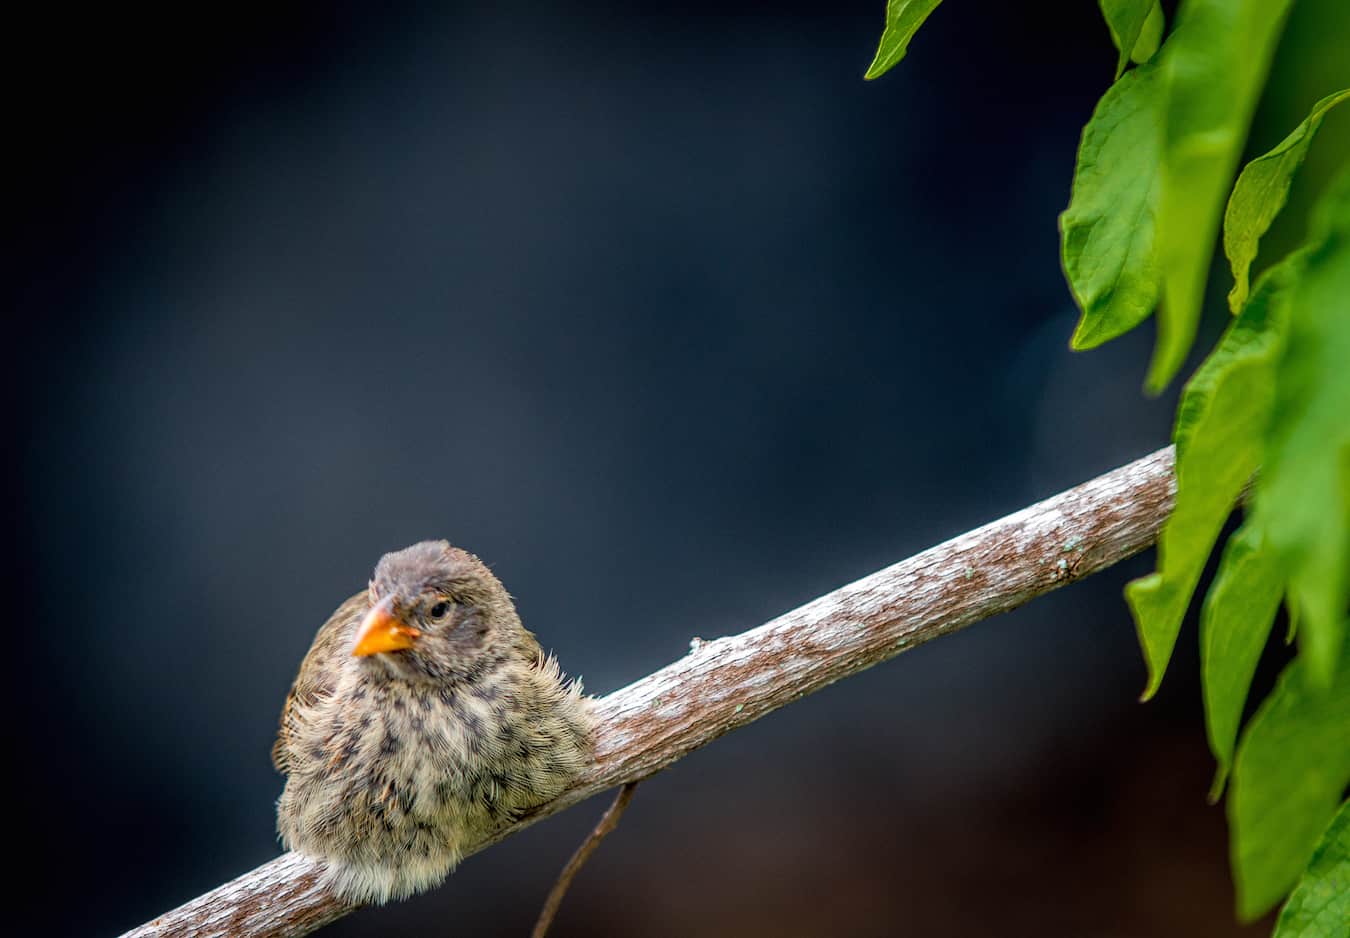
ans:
x=1302 y=499
x=1215 y=63
x=1260 y=193
x=1220 y=427
x=1291 y=771
x=1153 y=168
x=1150 y=37
x=903 y=19
x=1136 y=29
x=1108 y=228
x=1235 y=624
x=1320 y=905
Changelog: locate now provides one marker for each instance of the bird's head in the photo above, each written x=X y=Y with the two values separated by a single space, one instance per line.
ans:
x=436 y=614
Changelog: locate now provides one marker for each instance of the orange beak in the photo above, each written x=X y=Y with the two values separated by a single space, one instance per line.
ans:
x=382 y=631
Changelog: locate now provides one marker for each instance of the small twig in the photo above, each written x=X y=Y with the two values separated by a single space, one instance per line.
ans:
x=603 y=828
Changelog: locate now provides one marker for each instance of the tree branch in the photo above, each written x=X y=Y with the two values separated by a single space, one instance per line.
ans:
x=725 y=683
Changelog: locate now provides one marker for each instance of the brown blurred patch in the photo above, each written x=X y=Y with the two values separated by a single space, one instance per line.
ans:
x=1112 y=839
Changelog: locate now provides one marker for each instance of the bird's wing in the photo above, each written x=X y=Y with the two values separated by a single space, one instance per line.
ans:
x=317 y=674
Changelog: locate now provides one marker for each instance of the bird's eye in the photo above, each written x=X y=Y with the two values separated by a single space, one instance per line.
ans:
x=440 y=610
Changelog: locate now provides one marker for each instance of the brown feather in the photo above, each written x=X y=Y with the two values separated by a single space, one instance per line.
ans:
x=317 y=675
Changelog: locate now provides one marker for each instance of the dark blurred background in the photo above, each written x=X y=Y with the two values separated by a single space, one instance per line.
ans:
x=676 y=322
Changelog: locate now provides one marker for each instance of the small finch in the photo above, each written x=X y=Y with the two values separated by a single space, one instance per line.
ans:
x=424 y=717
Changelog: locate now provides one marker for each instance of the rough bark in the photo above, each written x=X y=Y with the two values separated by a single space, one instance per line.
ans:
x=725 y=683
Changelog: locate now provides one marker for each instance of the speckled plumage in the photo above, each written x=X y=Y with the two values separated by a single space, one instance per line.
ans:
x=396 y=761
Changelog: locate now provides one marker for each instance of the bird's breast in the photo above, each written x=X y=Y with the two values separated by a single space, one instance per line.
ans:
x=441 y=751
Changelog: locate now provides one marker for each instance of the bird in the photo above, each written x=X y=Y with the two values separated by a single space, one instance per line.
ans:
x=424 y=717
